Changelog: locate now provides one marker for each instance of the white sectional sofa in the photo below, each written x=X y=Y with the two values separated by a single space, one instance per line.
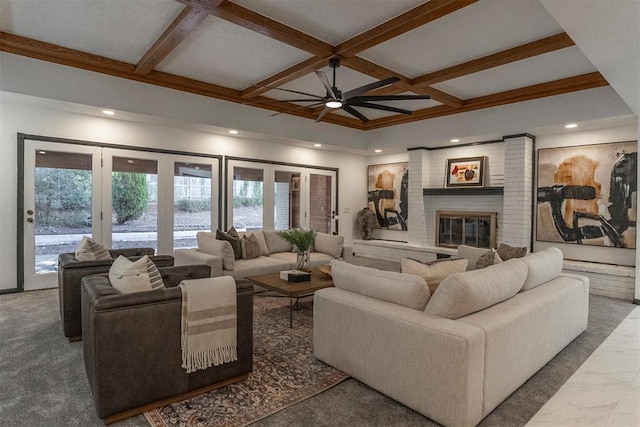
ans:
x=457 y=354
x=275 y=254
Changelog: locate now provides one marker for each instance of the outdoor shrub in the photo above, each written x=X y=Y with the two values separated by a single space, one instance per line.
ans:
x=130 y=196
x=193 y=205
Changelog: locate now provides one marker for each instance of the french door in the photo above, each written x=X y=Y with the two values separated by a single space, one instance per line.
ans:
x=276 y=197
x=121 y=198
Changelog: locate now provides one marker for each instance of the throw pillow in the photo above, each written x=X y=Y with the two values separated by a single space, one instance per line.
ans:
x=433 y=272
x=154 y=275
x=471 y=254
x=403 y=289
x=231 y=236
x=90 y=250
x=131 y=276
x=275 y=243
x=329 y=244
x=507 y=252
x=465 y=293
x=543 y=266
x=208 y=244
x=250 y=246
x=488 y=259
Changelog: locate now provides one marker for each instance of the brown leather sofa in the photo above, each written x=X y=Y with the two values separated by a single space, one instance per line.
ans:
x=132 y=351
x=71 y=271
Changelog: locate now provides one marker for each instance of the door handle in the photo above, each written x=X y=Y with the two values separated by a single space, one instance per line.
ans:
x=29 y=219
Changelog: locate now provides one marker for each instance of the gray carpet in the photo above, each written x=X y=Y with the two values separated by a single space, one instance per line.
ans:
x=43 y=383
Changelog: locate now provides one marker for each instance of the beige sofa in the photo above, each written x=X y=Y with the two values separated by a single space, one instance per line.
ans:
x=275 y=254
x=457 y=354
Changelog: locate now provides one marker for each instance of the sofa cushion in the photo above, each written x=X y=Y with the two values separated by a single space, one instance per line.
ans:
x=253 y=267
x=90 y=250
x=208 y=244
x=507 y=252
x=329 y=244
x=316 y=259
x=471 y=254
x=543 y=266
x=275 y=243
x=134 y=276
x=465 y=293
x=232 y=237
x=250 y=246
x=433 y=272
x=403 y=289
x=488 y=259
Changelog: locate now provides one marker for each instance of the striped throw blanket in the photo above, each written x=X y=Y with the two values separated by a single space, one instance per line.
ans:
x=209 y=322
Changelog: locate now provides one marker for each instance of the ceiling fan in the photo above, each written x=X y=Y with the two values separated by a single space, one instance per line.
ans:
x=336 y=99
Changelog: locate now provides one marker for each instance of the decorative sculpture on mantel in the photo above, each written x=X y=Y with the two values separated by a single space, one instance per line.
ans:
x=365 y=220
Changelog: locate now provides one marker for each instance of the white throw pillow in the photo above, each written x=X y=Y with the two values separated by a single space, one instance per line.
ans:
x=433 y=272
x=398 y=288
x=90 y=250
x=208 y=244
x=471 y=254
x=329 y=244
x=543 y=266
x=275 y=243
x=130 y=276
x=465 y=293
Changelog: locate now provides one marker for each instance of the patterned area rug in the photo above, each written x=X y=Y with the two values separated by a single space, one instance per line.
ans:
x=284 y=373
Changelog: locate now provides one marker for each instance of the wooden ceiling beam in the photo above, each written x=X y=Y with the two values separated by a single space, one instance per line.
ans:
x=180 y=28
x=401 y=24
x=518 y=53
x=253 y=21
x=542 y=90
x=374 y=70
x=43 y=51
x=286 y=76
x=440 y=96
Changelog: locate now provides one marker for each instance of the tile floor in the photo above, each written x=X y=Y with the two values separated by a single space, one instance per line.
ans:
x=605 y=390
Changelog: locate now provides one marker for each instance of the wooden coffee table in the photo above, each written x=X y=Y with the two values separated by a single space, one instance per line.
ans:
x=274 y=283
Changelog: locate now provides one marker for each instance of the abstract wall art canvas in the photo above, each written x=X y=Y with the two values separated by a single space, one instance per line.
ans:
x=465 y=172
x=588 y=195
x=388 y=194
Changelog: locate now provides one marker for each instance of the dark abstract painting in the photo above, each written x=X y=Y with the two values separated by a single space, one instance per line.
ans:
x=388 y=194
x=588 y=195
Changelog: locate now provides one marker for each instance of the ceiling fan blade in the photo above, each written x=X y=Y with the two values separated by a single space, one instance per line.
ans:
x=295 y=109
x=380 y=107
x=325 y=82
x=354 y=112
x=366 y=98
x=366 y=88
x=322 y=114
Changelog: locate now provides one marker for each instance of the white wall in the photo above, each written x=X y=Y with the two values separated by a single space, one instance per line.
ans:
x=568 y=139
x=19 y=118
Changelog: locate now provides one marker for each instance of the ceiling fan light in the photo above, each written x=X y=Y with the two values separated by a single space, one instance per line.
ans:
x=333 y=104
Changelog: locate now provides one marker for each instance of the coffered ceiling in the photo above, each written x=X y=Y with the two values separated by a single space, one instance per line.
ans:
x=467 y=55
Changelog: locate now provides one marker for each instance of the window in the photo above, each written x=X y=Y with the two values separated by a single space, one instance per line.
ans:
x=455 y=228
x=248 y=198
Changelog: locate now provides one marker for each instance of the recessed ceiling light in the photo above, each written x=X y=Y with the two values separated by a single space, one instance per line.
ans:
x=129 y=161
x=455 y=140
x=317 y=145
x=377 y=151
x=109 y=112
x=571 y=125
x=42 y=152
x=233 y=131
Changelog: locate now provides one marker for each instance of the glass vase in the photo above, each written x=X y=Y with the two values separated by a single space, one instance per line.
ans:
x=303 y=260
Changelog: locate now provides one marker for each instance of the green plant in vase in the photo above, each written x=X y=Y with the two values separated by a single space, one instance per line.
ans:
x=302 y=240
